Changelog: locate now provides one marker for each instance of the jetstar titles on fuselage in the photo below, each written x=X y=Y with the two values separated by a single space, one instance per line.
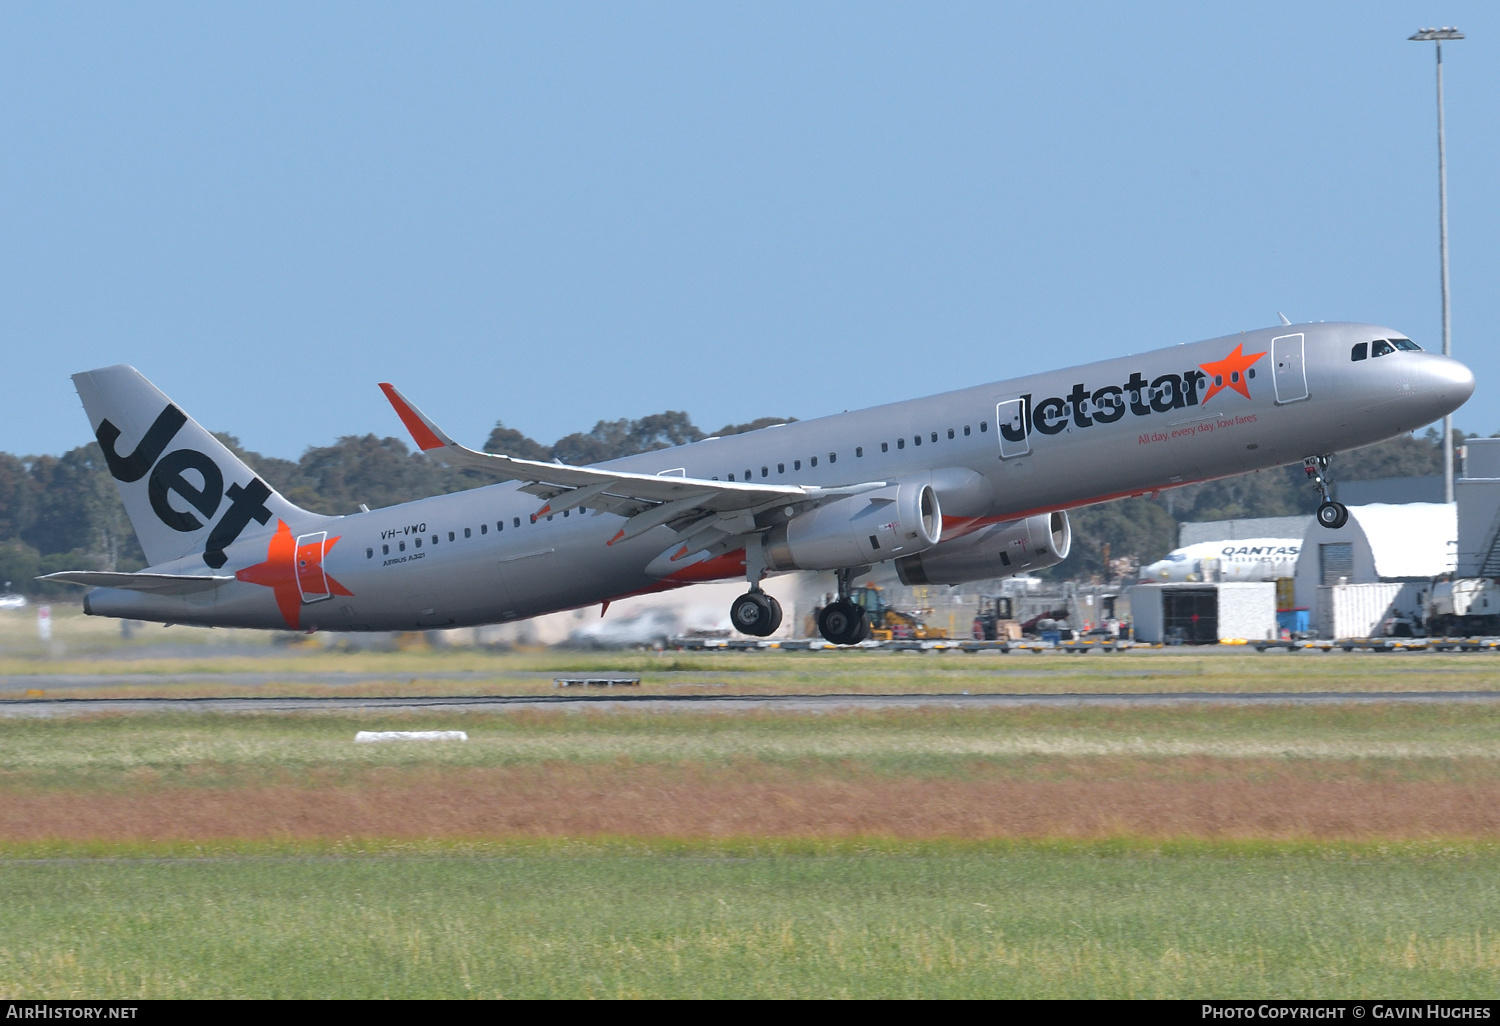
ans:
x=1163 y=394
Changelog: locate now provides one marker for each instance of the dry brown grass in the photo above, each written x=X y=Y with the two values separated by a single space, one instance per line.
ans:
x=767 y=801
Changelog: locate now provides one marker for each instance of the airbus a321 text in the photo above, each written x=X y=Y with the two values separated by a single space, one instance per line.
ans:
x=963 y=486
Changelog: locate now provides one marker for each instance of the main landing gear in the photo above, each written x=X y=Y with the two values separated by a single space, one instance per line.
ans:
x=1331 y=515
x=755 y=613
x=843 y=621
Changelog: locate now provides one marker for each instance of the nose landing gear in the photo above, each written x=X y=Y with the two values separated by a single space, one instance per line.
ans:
x=1331 y=515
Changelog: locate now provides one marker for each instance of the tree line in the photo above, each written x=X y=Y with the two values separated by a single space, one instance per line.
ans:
x=64 y=512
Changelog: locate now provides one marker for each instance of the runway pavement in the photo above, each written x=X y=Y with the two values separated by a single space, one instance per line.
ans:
x=48 y=707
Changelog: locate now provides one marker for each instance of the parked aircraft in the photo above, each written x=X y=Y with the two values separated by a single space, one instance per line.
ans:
x=967 y=485
x=1244 y=559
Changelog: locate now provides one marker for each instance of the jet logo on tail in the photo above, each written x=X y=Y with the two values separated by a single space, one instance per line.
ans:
x=246 y=502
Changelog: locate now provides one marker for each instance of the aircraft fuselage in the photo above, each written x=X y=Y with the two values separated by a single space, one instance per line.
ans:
x=996 y=452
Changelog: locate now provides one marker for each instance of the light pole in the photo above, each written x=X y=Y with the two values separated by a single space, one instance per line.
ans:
x=1436 y=36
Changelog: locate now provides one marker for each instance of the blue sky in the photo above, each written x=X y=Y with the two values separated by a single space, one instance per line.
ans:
x=555 y=213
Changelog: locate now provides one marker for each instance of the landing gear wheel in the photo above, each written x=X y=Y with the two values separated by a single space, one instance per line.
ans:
x=755 y=613
x=1333 y=515
x=775 y=614
x=843 y=623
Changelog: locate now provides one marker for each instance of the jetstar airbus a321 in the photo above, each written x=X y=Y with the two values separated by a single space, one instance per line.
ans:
x=962 y=486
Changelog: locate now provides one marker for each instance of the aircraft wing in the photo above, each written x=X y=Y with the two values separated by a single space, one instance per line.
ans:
x=688 y=505
x=162 y=584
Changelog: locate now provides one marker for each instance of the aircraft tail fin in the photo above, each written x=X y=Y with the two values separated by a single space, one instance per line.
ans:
x=184 y=491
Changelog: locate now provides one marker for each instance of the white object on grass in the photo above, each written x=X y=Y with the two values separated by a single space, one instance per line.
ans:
x=371 y=736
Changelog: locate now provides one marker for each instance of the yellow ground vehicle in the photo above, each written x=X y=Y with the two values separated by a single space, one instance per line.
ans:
x=888 y=623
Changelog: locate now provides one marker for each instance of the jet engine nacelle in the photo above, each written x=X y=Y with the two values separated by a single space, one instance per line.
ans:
x=862 y=529
x=1031 y=544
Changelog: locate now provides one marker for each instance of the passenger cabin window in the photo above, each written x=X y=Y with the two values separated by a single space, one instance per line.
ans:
x=984 y=425
x=731 y=477
x=748 y=475
x=796 y=464
x=401 y=546
x=885 y=446
x=765 y=471
x=417 y=542
x=950 y=432
x=934 y=436
x=833 y=457
x=450 y=536
x=966 y=430
x=484 y=528
x=901 y=443
x=859 y=452
x=468 y=533
x=434 y=539
x=369 y=553
x=781 y=468
x=814 y=462
x=385 y=550
x=515 y=521
x=1380 y=347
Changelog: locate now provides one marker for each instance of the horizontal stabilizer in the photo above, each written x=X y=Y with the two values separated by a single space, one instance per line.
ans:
x=160 y=584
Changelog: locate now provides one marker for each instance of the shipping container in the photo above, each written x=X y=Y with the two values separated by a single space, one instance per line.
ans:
x=1204 y=614
x=1361 y=610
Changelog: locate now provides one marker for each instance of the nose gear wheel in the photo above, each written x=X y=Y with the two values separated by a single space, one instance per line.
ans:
x=1331 y=514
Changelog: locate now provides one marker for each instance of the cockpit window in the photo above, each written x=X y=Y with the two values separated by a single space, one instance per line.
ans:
x=1360 y=351
x=1177 y=557
x=1406 y=345
x=1380 y=347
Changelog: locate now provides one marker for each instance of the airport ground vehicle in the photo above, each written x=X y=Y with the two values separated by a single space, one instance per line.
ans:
x=887 y=623
x=964 y=486
x=1466 y=606
x=995 y=620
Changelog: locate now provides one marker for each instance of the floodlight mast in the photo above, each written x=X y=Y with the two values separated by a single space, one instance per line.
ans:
x=1436 y=37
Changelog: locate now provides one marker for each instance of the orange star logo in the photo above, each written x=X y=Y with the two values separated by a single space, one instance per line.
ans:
x=1229 y=372
x=292 y=571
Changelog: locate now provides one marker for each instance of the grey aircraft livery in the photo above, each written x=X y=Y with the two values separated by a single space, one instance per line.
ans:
x=963 y=486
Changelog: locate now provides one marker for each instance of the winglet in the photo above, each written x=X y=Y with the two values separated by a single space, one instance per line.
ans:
x=424 y=432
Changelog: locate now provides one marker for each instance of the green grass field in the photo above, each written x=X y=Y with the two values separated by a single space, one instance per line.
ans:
x=476 y=672
x=623 y=920
x=213 y=750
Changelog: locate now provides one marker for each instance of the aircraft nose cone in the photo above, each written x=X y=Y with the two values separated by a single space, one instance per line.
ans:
x=1449 y=383
x=1455 y=379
